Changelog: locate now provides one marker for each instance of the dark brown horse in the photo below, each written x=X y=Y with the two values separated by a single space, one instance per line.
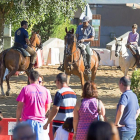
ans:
x=73 y=62
x=14 y=61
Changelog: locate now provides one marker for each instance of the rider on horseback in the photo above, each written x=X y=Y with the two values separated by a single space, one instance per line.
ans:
x=85 y=33
x=22 y=40
x=133 y=40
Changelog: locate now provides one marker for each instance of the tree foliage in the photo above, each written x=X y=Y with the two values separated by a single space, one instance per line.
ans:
x=53 y=26
x=34 y=11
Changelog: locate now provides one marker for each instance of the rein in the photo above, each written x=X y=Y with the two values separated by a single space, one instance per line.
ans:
x=69 y=54
x=120 y=49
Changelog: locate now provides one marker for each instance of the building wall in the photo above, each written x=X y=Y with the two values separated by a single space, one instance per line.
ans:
x=115 y=19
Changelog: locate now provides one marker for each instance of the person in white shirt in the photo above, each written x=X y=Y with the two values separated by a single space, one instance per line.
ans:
x=62 y=133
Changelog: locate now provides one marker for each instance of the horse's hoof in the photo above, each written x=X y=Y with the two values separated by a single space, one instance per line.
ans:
x=7 y=93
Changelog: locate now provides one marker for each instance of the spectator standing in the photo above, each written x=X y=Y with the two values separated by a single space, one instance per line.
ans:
x=86 y=111
x=64 y=103
x=23 y=131
x=127 y=111
x=31 y=104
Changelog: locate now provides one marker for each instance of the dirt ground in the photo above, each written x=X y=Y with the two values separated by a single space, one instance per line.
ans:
x=106 y=79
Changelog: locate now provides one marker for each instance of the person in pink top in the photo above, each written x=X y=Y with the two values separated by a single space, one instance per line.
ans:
x=133 y=39
x=32 y=101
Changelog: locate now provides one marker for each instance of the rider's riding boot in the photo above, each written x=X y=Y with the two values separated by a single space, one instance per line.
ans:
x=1 y=116
x=30 y=67
x=87 y=68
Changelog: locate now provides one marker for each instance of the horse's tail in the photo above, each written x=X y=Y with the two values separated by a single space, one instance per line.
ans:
x=2 y=55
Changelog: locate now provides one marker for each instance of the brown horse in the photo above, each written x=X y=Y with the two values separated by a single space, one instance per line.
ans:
x=14 y=61
x=73 y=62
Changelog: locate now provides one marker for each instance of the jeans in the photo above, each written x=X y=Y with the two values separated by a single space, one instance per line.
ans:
x=37 y=128
x=127 y=135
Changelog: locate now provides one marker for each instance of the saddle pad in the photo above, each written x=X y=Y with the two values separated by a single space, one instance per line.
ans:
x=22 y=51
x=133 y=49
x=83 y=46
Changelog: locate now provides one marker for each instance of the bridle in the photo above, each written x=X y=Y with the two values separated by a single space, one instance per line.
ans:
x=116 y=51
x=68 y=50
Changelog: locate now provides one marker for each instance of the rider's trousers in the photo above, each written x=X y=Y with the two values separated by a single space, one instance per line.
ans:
x=88 y=54
x=32 y=53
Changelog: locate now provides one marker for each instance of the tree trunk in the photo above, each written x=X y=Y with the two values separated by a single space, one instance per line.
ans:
x=1 y=31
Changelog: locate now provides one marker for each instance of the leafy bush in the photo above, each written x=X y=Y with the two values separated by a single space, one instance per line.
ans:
x=59 y=31
x=135 y=86
x=54 y=27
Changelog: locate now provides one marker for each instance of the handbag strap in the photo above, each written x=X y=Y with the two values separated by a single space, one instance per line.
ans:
x=99 y=107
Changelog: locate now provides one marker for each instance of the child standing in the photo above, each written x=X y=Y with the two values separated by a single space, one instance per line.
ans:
x=62 y=132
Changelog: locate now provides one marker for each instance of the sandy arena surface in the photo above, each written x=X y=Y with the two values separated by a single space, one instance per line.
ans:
x=106 y=79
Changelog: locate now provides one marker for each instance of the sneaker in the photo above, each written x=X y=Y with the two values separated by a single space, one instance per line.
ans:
x=61 y=68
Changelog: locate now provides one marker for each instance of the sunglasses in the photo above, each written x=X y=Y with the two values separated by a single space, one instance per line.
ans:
x=40 y=82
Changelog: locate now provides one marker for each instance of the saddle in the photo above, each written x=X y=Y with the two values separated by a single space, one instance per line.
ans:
x=19 y=48
x=83 y=47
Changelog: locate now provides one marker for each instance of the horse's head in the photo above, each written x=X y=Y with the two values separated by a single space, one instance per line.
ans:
x=69 y=40
x=35 y=40
x=118 y=45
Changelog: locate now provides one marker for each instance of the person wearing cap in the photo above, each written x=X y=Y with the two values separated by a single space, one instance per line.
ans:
x=127 y=111
x=85 y=34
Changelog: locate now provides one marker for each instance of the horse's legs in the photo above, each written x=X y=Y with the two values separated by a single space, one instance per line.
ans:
x=1 y=80
x=126 y=71
x=12 y=72
x=94 y=70
x=82 y=79
x=68 y=79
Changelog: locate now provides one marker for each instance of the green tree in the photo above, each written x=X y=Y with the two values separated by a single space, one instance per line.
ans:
x=54 y=26
x=13 y=11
